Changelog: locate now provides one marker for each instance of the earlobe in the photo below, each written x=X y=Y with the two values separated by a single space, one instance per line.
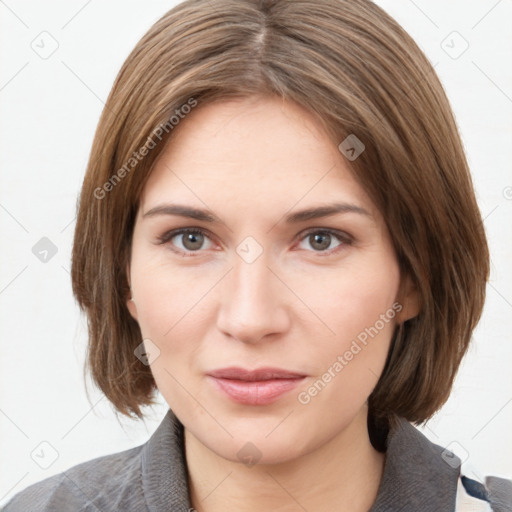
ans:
x=132 y=308
x=409 y=300
x=130 y=303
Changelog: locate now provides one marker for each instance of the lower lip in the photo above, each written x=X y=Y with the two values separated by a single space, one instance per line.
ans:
x=261 y=392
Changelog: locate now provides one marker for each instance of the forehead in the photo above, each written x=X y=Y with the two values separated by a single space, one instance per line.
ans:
x=256 y=151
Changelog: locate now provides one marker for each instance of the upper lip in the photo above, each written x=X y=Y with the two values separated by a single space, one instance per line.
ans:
x=266 y=373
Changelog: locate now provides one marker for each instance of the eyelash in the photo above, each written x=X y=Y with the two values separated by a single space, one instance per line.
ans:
x=342 y=237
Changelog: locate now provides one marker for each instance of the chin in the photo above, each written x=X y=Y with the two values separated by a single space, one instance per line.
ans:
x=253 y=444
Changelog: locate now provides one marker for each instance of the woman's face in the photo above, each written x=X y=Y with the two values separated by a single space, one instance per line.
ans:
x=248 y=282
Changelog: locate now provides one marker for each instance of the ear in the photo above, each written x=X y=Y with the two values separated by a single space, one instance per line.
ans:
x=408 y=298
x=130 y=302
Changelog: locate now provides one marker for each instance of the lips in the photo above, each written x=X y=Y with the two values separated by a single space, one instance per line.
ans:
x=261 y=386
x=235 y=373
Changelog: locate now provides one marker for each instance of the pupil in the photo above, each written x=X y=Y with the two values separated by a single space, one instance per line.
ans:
x=193 y=241
x=326 y=240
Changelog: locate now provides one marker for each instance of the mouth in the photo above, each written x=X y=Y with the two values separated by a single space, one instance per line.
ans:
x=261 y=386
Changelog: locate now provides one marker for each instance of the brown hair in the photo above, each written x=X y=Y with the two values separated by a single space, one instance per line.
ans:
x=353 y=66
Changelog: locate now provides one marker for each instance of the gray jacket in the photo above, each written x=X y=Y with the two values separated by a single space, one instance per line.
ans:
x=419 y=476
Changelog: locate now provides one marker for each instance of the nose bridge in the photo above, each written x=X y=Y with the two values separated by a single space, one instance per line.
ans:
x=252 y=281
x=251 y=304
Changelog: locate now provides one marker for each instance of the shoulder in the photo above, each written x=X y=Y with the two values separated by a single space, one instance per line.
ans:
x=110 y=482
x=494 y=494
x=421 y=475
x=152 y=476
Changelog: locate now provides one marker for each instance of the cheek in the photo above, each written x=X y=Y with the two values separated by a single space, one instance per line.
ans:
x=172 y=302
x=354 y=297
x=170 y=313
x=358 y=310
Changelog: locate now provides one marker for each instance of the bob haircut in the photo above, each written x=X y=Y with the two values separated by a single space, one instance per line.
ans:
x=354 y=68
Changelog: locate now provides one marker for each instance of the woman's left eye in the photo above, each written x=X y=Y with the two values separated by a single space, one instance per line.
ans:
x=192 y=240
x=322 y=240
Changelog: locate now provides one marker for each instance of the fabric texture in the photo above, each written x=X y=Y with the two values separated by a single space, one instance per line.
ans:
x=153 y=477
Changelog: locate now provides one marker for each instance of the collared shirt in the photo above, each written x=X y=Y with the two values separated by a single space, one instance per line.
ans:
x=418 y=476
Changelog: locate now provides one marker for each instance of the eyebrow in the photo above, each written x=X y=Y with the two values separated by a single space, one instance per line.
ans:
x=292 y=218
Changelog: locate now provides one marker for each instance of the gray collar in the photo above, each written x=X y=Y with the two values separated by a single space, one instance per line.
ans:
x=417 y=477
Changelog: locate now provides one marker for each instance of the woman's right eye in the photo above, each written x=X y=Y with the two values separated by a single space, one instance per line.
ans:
x=186 y=240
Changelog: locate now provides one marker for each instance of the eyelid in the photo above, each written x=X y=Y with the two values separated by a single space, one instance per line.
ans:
x=344 y=237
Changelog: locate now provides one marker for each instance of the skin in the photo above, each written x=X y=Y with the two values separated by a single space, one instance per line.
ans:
x=297 y=306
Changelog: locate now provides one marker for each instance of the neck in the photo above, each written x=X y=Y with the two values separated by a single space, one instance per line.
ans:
x=344 y=473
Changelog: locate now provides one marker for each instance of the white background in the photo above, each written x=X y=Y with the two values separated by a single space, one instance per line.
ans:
x=49 y=111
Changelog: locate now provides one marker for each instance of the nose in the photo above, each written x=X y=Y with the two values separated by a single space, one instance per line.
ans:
x=252 y=304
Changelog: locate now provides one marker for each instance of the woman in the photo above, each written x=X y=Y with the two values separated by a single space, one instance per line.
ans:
x=277 y=231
